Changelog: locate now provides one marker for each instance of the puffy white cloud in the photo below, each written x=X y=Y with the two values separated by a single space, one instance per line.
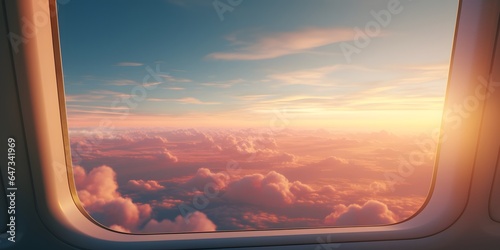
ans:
x=99 y=186
x=168 y=156
x=272 y=189
x=379 y=187
x=333 y=161
x=119 y=211
x=119 y=229
x=97 y=192
x=204 y=176
x=196 y=222
x=141 y=185
x=371 y=213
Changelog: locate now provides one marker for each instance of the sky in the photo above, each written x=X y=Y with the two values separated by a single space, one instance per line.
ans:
x=178 y=62
x=195 y=116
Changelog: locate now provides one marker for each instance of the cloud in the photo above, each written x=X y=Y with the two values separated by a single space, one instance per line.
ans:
x=129 y=64
x=186 y=100
x=371 y=213
x=119 y=229
x=170 y=78
x=379 y=187
x=223 y=85
x=333 y=161
x=419 y=74
x=327 y=75
x=204 y=176
x=97 y=96
x=227 y=145
x=316 y=76
x=252 y=97
x=141 y=185
x=120 y=211
x=322 y=171
x=283 y=43
x=262 y=220
x=168 y=156
x=198 y=222
x=97 y=192
x=248 y=144
x=122 y=82
x=272 y=189
x=123 y=146
x=282 y=158
x=99 y=186
x=167 y=203
x=175 y=88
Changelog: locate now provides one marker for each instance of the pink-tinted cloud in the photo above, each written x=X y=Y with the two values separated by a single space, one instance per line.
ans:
x=98 y=186
x=283 y=43
x=120 y=211
x=262 y=219
x=119 y=229
x=316 y=76
x=272 y=189
x=123 y=145
x=204 y=176
x=198 y=222
x=173 y=79
x=333 y=161
x=168 y=156
x=296 y=175
x=380 y=187
x=97 y=191
x=371 y=213
x=186 y=100
x=141 y=185
x=167 y=203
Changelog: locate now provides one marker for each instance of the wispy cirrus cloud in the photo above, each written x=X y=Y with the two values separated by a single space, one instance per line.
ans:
x=224 y=84
x=252 y=97
x=186 y=100
x=170 y=78
x=129 y=64
x=280 y=44
x=319 y=76
x=175 y=88
x=96 y=95
x=122 y=82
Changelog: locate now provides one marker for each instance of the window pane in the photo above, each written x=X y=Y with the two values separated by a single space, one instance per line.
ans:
x=193 y=115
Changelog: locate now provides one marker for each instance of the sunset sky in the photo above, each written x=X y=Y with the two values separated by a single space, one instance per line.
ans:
x=255 y=118
x=197 y=70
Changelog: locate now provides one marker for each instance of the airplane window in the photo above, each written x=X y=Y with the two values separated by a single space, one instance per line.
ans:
x=228 y=115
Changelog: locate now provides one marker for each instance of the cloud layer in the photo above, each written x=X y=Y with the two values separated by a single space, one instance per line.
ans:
x=158 y=179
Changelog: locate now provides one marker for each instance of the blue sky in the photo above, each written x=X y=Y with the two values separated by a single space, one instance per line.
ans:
x=265 y=55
